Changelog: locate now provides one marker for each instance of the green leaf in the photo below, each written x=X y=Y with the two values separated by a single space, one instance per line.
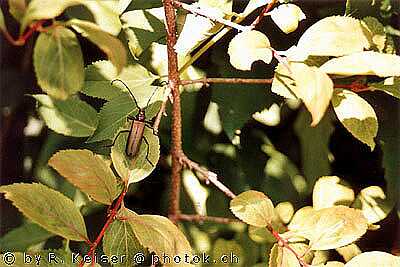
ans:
x=136 y=169
x=89 y=172
x=314 y=143
x=17 y=8
x=159 y=235
x=120 y=239
x=110 y=45
x=142 y=27
x=107 y=18
x=287 y=17
x=2 y=23
x=356 y=115
x=328 y=193
x=45 y=9
x=247 y=47
x=220 y=251
x=312 y=86
x=331 y=227
x=378 y=35
x=58 y=62
x=253 y=208
x=373 y=203
x=100 y=74
x=198 y=29
x=334 y=36
x=364 y=63
x=390 y=86
x=285 y=211
x=23 y=237
x=71 y=117
x=374 y=258
x=48 y=208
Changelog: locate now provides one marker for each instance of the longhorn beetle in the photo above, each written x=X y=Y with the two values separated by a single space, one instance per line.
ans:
x=136 y=132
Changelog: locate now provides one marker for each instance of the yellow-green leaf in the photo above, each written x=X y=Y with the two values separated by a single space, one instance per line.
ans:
x=48 y=208
x=89 y=172
x=285 y=211
x=334 y=36
x=390 y=86
x=253 y=208
x=160 y=235
x=58 y=62
x=328 y=193
x=287 y=17
x=139 y=167
x=332 y=227
x=110 y=45
x=356 y=115
x=348 y=252
x=107 y=18
x=2 y=23
x=247 y=47
x=377 y=31
x=283 y=257
x=364 y=63
x=17 y=8
x=374 y=259
x=310 y=84
x=373 y=203
x=220 y=251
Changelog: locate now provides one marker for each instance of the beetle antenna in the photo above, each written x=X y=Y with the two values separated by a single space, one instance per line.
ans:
x=148 y=102
x=129 y=90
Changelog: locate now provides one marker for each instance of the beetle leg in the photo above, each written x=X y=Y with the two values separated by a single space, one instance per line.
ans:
x=148 y=149
x=115 y=139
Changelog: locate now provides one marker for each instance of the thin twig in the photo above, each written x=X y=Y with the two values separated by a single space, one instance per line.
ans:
x=202 y=218
x=227 y=80
x=201 y=12
x=266 y=9
x=207 y=176
x=176 y=129
x=160 y=113
x=283 y=243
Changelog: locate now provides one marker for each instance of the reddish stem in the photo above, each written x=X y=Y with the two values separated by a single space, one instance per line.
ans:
x=111 y=216
x=355 y=87
x=266 y=9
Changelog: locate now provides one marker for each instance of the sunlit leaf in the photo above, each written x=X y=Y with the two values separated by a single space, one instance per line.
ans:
x=2 y=23
x=373 y=203
x=331 y=227
x=212 y=120
x=120 y=239
x=253 y=208
x=160 y=236
x=328 y=193
x=356 y=115
x=142 y=27
x=107 y=18
x=373 y=259
x=197 y=29
x=300 y=217
x=247 y=47
x=135 y=169
x=58 y=62
x=285 y=211
x=89 y=172
x=334 y=36
x=364 y=63
x=48 y=208
x=283 y=84
x=110 y=45
x=197 y=193
x=287 y=17
x=72 y=117
x=283 y=257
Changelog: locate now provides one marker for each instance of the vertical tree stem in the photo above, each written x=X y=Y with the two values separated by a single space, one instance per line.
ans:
x=176 y=131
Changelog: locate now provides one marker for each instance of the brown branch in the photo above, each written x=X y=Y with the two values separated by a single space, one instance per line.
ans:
x=176 y=129
x=202 y=218
x=207 y=176
x=283 y=243
x=227 y=80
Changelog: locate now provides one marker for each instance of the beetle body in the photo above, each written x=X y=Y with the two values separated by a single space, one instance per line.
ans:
x=136 y=132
